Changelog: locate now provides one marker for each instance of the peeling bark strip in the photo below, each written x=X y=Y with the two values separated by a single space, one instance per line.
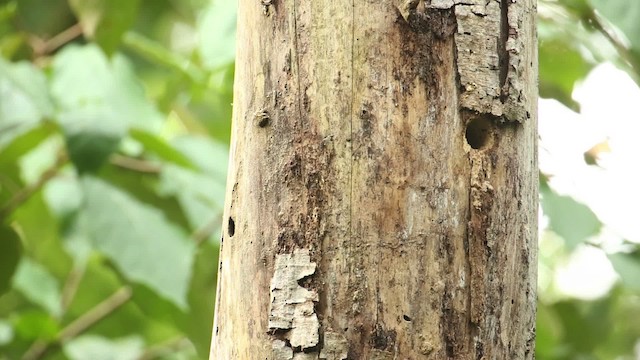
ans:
x=291 y=308
x=490 y=49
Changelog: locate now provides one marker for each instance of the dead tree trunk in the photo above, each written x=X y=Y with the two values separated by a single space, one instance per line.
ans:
x=382 y=192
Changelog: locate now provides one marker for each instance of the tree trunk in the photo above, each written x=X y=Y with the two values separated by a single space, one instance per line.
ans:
x=382 y=191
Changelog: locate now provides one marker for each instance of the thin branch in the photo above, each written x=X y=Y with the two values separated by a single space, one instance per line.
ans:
x=25 y=194
x=8 y=183
x=71 y=286
x=96 y=314
x=43 y=47
x=37 y=349
x=62 y=38
x=90 y=318
x=135 y=164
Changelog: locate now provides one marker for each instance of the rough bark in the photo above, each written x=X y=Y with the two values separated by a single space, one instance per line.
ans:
x=382 y=190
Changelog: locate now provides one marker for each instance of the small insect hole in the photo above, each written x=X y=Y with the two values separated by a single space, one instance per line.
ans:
x=262 y=119
x=231 y=228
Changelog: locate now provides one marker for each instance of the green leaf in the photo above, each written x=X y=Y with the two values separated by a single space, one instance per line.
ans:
x=63 y=195
x=624 y=336
x=97 y=114
x=27 y=141
x=10 y=252
x=578 y=7
x=143 y=188
x=41 y=235
x=201 y=197
x=38 y=285
x=100 y=348
x=217 y=29
x=160 y=148
x=139 y=240
x=548 y=333
x=586 y=325
x=212 y=157
x=568 y=218
x=31 y=82
x=35 y=324
x=43 y=18
x=44 y=157
x=105 y=21
x=24 y=99
x=8 y=11
x=561 y=66
x=89 y=150
x=100 y=281
x=213 y=108
x=113 y=93
x=627 y=265
x=202 y=290
x=84 y=79
x=6 y=332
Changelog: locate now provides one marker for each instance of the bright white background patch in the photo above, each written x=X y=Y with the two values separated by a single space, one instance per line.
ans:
x=608 y=100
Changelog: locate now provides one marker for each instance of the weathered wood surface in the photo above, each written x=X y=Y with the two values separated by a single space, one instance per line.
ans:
x=382 y=190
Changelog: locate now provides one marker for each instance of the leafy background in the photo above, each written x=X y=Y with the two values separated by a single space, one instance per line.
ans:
x=114 y=128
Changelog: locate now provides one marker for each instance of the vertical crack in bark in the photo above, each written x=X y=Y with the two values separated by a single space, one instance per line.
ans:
x=468 y=244
x=301 y=96
x=503 y=54
x=479 y=250
x=353 y=44
x=297 y=52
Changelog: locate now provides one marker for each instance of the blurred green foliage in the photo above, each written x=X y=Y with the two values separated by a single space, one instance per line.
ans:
x=574 y=37
x=114 y=128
